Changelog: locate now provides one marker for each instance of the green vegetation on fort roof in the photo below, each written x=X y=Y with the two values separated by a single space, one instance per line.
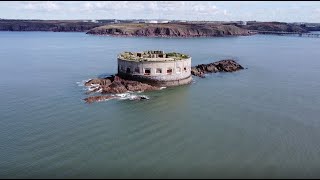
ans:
x=177 y=55
x=152 y=56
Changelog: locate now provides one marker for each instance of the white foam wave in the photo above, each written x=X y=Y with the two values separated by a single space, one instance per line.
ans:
x=102 y=100
x=130 y=96
x=95 y=85
x=123 y=95
x=81 y=83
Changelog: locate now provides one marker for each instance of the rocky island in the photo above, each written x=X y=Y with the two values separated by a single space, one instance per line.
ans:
x=157 y=68
x=169 y=30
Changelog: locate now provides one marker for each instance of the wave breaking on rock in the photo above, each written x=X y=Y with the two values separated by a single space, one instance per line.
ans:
x=123 y=96
x=116 y=88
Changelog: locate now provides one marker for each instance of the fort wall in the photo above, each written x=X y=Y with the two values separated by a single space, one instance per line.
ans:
x=161 y=73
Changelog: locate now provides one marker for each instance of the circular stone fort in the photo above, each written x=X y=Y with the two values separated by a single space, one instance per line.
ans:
x=155 y=67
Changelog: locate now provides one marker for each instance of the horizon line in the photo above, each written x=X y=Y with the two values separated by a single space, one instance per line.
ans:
x=160 y=19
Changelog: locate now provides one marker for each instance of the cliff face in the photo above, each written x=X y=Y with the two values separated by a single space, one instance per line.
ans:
x=168 y=30
x=46 y=25
x=275 y=26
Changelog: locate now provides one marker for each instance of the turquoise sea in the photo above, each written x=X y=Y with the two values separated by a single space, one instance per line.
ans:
x=261 y=122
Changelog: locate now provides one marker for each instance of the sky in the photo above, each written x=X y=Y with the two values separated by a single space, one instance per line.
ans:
x=284 y=11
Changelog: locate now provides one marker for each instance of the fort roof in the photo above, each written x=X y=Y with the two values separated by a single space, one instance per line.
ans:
x=152 y=56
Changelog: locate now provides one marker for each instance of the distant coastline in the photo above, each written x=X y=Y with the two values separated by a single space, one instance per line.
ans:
x=130 y=28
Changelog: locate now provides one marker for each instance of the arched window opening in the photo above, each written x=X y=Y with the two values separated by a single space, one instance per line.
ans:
x=128 y=70
x=137 y=70
x=158 y=70
x=147 y=71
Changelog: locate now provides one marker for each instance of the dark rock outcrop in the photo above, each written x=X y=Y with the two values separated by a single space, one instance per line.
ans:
x=227 y=65
x=115 y=85
x=98 y=98
x=100 y=81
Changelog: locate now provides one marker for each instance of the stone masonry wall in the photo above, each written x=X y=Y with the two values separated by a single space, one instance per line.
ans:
x=184 y=65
